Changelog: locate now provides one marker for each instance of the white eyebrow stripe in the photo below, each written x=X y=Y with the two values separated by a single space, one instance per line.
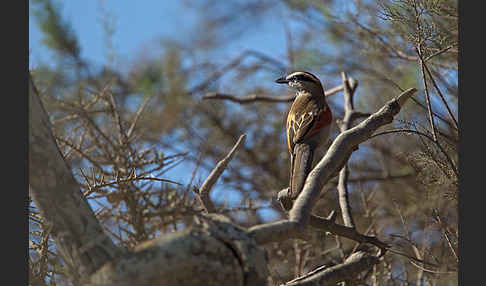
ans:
x=293 y=74
x=314 y=78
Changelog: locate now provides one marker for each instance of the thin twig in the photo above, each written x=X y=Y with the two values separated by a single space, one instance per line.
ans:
x=206 y=187
x=445 y=232
x=440 y=95
x=435 y=114
x=266 y=98
x=137 y=115
x=121 y=181
x=350 y=86
x=427 y=96
x=116 y=114
x=345 y=231
x=248 y=99
x=438 y=53
x=453 y=166
x=234 y=63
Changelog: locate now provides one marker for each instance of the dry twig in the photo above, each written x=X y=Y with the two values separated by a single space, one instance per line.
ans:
x=206 y=187
x=266 y=98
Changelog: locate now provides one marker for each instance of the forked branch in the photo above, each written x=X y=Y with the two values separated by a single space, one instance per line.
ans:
x=334 y=159
x=206 y=187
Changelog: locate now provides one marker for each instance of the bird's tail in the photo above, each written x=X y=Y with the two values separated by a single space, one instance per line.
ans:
x=300 y=166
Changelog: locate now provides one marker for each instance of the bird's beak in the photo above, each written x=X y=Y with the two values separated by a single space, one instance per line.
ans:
x=281 y=80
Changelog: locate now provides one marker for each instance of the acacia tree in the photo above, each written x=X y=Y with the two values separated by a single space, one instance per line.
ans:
x=118 y=156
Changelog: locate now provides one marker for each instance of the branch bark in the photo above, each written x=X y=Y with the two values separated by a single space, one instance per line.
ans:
x=214 y=251
x=334 y=159
x=349 y=269
x=79 y=237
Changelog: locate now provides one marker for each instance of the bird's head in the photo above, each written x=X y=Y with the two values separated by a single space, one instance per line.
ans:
x=302 y=81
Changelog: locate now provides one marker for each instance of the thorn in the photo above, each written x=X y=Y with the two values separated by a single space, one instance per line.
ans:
x=93 y=175
x=332 y=216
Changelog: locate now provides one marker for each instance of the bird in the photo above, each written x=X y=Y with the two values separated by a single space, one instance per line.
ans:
x=308 y=126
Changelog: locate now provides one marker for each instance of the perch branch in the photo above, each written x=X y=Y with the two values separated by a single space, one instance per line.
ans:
x=332 y=161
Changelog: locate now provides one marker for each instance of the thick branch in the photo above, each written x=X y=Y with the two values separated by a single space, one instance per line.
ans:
x=334 y=159
x=173 y=259
x=78 y=235
x=206 y=187
x=212 y=252
x=349 y=269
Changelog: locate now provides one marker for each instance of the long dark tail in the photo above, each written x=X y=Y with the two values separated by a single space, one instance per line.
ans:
x=300 y=166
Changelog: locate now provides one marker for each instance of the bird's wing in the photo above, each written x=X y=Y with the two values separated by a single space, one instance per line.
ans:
x=307 y=121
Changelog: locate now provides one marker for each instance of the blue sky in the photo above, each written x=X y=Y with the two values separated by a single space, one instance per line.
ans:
x=137 y=27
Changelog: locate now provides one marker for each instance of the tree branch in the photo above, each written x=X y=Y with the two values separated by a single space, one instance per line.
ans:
x=249 y=98
x=345 y=231
x=350 y=268
x=439 y=92
x=79 y=237
x=211 y=246
x=350 y=86
x=266 y=98
x=334 y=159
x=212 y=252
x=206 y=187
x=427 y=96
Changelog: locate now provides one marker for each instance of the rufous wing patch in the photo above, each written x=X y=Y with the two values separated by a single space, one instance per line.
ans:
x=323 y=119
